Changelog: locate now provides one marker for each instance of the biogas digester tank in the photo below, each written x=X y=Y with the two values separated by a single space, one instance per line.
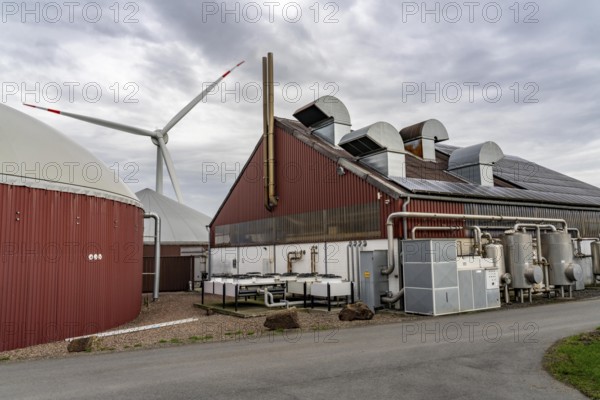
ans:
x=558 y=251
x=518 y=258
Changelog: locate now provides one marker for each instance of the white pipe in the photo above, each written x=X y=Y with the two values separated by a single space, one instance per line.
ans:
x=352 y=261
x=209 y=257
x=136 y=329
x=156 y=218
x=477 y=237
x=348 y=259
x=270 y=302
x=406 y=214
x=433 y=228
x=393 y=298
x=404 y=223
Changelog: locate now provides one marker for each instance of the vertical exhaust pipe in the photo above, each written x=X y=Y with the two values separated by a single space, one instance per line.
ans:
x=268 y=132
x=271 y=138
x=266 y=116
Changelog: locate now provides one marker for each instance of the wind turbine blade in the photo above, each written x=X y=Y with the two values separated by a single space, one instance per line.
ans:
x=98 y=121
x=196 y=100
x=170 y=168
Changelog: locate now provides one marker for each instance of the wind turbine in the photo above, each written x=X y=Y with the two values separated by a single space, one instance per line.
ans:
x=160 y=137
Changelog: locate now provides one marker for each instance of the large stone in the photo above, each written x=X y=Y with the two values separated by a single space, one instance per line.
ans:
x=79 y=345
x=358 y=310
x=287 y=319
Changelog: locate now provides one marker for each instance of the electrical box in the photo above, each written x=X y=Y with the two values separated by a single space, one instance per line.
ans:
x=437 y=282
x=479 y=289
x=373 y=284
x=430 y=276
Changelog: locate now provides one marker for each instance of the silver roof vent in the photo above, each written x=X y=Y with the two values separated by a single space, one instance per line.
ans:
x=475 y=163
x=420 y=139
x=327 y=117
x=379 y=146
x=373 y=138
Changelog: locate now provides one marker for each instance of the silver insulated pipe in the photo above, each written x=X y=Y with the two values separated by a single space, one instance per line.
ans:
x=423 y=215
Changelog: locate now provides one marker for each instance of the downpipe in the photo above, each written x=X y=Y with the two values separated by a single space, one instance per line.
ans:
x=156 y=219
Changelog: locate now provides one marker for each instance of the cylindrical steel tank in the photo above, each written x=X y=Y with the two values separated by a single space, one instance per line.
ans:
x=558 y=251
x=518 y=258
x=595 y=246
x=496 y=254
x=73 y=264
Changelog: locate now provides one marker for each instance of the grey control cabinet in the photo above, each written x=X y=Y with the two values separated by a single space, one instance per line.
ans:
x=373 y=284
x=479 y=289
x=430 y=276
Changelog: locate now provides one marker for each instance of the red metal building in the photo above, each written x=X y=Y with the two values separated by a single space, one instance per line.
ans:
x=70 y=238
x=337 y=184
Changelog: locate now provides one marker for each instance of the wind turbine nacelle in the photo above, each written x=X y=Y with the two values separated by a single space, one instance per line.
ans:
x=165 y=137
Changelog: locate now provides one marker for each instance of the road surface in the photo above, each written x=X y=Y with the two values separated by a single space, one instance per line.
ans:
x=490 y=355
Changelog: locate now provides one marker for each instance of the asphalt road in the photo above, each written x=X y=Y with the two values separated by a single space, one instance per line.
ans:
x=490 y=355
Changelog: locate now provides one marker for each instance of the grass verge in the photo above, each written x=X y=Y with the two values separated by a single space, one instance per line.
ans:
x=576 y=361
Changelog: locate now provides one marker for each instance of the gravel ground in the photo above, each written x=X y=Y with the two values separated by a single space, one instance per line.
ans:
x=208 y=328
x=216 y=327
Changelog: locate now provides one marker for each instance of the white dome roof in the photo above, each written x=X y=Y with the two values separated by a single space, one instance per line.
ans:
x=179 y=223
x=36 y=155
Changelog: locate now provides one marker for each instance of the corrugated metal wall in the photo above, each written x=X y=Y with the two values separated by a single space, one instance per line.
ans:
x=175 y=274
x=49 y=289
x=587 y=221
x=307 y=185
x=434 y=206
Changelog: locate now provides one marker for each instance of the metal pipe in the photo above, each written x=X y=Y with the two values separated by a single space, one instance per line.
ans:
x=209 y=256
x=359 y=245
x=578 y=252
x=325 y=257
x=404 y=222
x=477 y=237
x=271 y=135
x=156 y=219
x=265 y=95
x=293 y=256
x=352 y=261
x=488 y=236
x=403 y=214
x=348 y=259
x=270 y=301
x=433 y=228
x=313 y=259
x=393 y=298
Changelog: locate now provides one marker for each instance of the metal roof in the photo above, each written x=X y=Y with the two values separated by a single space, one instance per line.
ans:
x=180 y=224
x=516 y=179
x=36 y=155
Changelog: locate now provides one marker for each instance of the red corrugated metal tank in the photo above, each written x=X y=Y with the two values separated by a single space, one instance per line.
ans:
x=70 y=238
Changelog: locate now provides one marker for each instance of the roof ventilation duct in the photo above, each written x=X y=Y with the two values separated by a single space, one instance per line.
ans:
x=327 y=117
x=420 y=139
x=378 y=146
x=475 y=163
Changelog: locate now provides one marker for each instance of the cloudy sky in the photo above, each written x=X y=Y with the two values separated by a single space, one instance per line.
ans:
x=523 y=74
